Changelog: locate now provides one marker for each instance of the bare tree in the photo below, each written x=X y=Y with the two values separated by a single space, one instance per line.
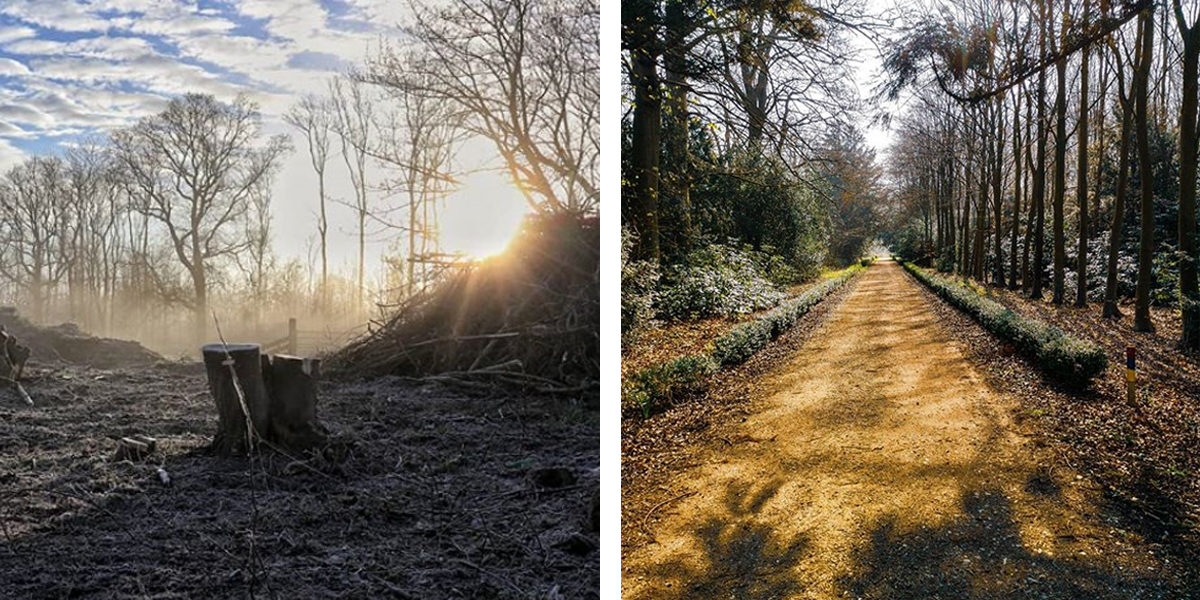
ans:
x=313 y=117
x=525 y=76
x=36 y=227
x=194 y=168
x=353 y=116
x=419 y=139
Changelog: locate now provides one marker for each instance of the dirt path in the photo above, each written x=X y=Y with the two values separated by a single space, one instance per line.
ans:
x=882 y=466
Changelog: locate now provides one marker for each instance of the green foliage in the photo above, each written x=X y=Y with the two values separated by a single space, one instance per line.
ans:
x=719 y=281
x=639 y=283
x=656 y=387
x=741 y=342
x=754 y=199
x=1056 y=353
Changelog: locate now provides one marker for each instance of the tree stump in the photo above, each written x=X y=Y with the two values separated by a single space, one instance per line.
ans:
x=293 y=386
x=280 y=395
x=233 y=435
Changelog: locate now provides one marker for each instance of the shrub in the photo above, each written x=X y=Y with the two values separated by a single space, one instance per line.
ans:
x=654 y=388
x=1058 y=354
x=639 y=282
x=717 y=281
x=741 y=342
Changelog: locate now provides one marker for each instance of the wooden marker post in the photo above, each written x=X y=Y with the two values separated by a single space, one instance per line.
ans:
x=1130 y=374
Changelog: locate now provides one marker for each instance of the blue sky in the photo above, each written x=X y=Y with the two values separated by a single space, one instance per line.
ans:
x=72 y=68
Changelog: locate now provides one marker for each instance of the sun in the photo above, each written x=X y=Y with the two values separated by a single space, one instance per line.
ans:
x=481 y=218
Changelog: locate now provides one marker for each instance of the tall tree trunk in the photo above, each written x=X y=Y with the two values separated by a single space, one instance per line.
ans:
x=1039 y=189
x=1081 y=185
x=1141 y=318
x=1189 y=296
x=1060 y=180
x=640 y=206
x=1030 y=202
x=676 y=236
x=1016 y=212
x=997 y=196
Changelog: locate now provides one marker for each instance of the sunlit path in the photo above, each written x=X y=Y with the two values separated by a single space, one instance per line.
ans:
x=882 y=466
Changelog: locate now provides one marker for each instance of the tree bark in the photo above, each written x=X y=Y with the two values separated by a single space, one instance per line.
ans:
x=1082 y=183
x=1141 y=317
x=1060 y=180
x=640 y=208
x=1189 y=296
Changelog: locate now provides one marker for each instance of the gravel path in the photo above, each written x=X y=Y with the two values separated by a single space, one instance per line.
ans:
x=881 y=465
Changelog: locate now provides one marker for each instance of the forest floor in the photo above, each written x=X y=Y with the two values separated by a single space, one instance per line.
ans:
x=883 y=456
x=430 y=494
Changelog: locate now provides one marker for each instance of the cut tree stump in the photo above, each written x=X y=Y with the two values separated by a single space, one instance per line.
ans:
x=293 y=386
x=280 y=395
x=233 y=435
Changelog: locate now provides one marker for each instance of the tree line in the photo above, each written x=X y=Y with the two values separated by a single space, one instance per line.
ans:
x=138 y=228
x=740 y=128
x=1082 y=113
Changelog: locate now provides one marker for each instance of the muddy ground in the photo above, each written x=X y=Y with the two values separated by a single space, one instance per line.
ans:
x=430 y=494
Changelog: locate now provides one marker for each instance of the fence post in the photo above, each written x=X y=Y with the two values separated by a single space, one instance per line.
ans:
x=1130 y=374
x=293 y=345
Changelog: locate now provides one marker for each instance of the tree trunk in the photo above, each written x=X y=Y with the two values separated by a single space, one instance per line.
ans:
x=1039 y=192
x=676 y=237
x=1141 y=318
x=997 y=196
x=1189 y=296
x=1016 y=213
x=1111 y=311
x=640 y=208
x=1081 y=184
x=1060 y=180
x=292 y=384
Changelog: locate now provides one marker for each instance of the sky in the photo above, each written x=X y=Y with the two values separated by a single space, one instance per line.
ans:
x=72 y=68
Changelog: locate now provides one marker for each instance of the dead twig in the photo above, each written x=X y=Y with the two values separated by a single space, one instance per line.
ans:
x=646 y=519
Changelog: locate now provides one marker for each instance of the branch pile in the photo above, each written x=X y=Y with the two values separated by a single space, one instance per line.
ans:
x=529 y=317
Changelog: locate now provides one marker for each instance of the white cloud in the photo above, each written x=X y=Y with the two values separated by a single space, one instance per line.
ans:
x=8 y=34
x=10 y=155
x=9 y=66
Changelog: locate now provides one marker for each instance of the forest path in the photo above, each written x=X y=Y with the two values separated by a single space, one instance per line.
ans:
x=881 y=465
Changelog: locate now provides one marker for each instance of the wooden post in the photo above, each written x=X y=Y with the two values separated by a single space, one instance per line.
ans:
x=293 y=342
x=1130 y=374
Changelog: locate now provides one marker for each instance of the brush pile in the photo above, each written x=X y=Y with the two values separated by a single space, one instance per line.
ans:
x=528 y=317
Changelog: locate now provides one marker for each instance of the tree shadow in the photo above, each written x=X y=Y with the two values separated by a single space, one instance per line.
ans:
x=743 y=558
x=981 y=554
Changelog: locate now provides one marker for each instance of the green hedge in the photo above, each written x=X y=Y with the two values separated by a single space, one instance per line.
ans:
x=741 y=342
x=1056 y=353
x=656 y=387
